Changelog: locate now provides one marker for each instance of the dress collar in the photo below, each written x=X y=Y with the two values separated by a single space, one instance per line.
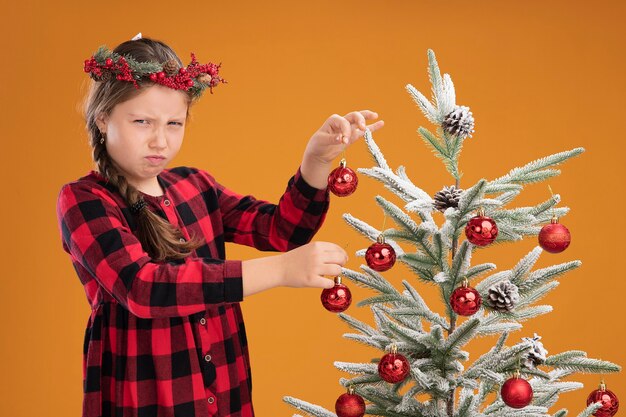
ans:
x=163 y=182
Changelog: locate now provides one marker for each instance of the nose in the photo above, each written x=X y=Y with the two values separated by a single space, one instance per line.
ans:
x=159 y=139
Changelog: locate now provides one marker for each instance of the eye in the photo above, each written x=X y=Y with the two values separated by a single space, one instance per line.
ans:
x=139 y=120
x=177 y=123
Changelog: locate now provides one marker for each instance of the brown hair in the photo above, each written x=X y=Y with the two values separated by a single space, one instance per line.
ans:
x=158 y=237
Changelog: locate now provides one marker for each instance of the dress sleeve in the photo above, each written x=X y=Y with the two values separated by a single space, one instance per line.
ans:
x=95 y=234
x=292 y=222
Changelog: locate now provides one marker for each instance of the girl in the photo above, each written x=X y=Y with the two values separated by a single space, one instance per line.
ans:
x=166 y=335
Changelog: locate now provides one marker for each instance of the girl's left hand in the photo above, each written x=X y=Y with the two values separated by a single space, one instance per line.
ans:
x=337 y=133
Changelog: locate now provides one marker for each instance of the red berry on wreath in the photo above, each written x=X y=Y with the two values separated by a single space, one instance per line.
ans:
x=481 y=230
x=380 y=256
x=393 y=367
x=350 y=404
x=465 y=300
x=554 y=237
x=609 y=401
x=516 y=392
x=337 y=298
x=342 y=181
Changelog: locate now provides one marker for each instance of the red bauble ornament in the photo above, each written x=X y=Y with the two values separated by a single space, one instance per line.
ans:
x=342 y=181
x=393 y=367
x=337 y=298
x=609 y=400
x=516 y=392
x=554 y=237
x=465 y=300
x=481 y=230
x=350 y=405
x=380 y=256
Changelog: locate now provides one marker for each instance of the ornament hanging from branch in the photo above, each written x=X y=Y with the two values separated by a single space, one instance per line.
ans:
x=350 y=404
x=393 y=367
x=337 y=298
x=465 y=300
x=481 y=230
x=516 y=392
x=610 y=402
x=380 y=256
x=342 y=181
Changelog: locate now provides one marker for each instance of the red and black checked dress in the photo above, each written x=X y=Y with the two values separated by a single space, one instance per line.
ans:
x=168 y=339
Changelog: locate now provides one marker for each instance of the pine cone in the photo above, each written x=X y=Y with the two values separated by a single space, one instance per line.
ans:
x=170 y=67
x=204 y=78
x=459 y=122
x=106 y=75
x=537 y=355
x=503 y=296
x=448 y=197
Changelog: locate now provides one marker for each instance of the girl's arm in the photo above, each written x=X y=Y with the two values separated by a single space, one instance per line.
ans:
x=266 y=226
x=96 y=235
x=302 y=208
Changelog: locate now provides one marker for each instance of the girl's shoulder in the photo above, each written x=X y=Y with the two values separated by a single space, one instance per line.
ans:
x=93 y=181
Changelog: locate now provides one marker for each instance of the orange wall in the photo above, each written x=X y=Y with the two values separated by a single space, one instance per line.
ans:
x=540 y=78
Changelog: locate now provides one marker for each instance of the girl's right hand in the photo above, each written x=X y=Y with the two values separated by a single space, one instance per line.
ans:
x=306 y=265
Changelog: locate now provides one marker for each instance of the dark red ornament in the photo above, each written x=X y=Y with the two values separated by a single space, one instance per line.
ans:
x=481 y=230
x=337 y=298
x=342 y=181
x=465 y=300
x=554 y=237
x=610 y=402
x=350 y=404
x=393 y=367
x=380 y=256
x=516 y=392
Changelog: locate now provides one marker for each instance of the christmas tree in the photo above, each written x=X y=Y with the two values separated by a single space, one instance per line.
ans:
x=423 y=350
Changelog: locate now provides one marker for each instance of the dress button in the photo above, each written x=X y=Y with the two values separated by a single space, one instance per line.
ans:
x=207 y=358
x=203 y=321
x=211 y=400
x=166 y=202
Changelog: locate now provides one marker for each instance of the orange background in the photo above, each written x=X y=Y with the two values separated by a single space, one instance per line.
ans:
x=540 y=78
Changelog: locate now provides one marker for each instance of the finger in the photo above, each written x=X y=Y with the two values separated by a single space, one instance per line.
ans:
x=375 y=126
x=369 y=115
x=356 y=118
x=341 y=125
x=333 y=138
x=329 y=269
x=336 y=257
x=322 y=282
x=358 y=133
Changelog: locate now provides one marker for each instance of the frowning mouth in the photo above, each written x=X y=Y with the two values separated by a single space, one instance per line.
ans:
x=155 y=160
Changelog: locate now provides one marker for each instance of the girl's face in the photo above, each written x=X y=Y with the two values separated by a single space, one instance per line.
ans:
x=152 y=124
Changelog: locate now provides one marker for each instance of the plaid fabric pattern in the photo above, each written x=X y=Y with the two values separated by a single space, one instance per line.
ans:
x=167 y=339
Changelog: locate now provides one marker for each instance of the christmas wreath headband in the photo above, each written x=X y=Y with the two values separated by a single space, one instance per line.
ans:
x=195 y=78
